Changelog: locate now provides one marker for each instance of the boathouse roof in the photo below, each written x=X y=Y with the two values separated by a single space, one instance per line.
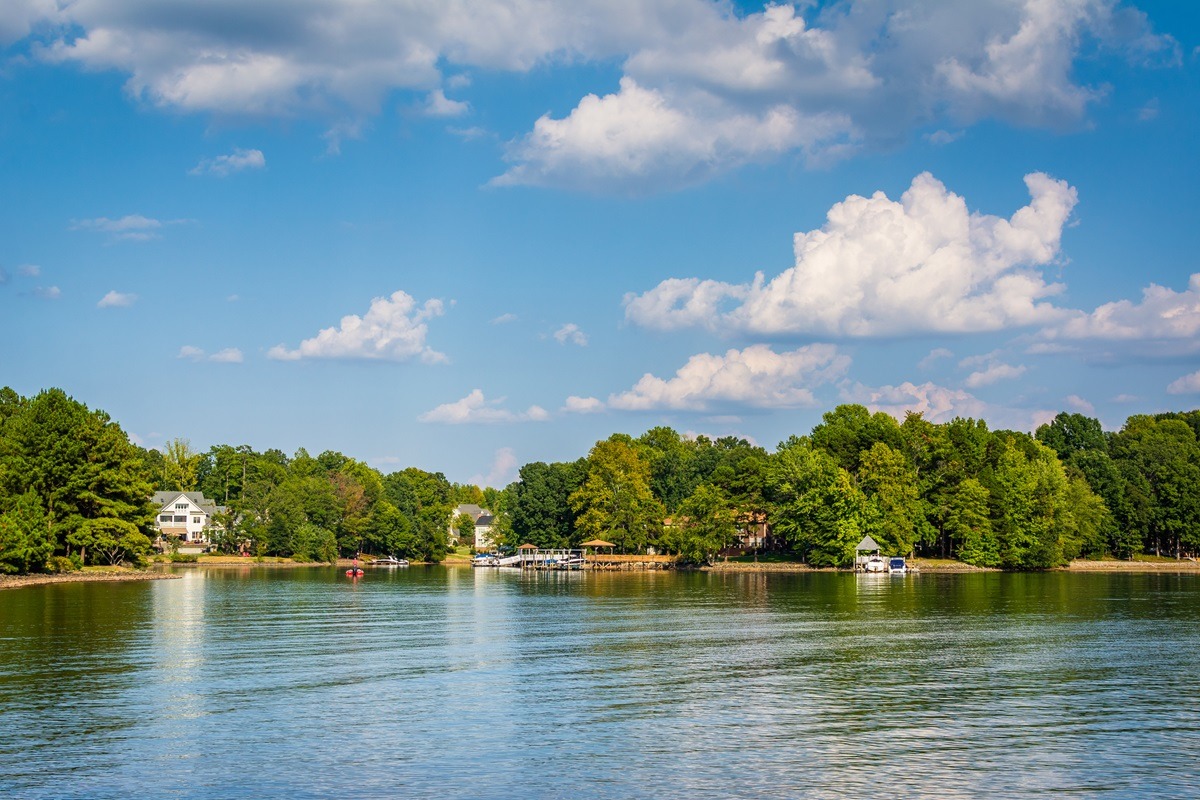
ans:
x=867 y=544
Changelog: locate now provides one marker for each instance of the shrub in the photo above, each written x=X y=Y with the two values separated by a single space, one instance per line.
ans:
x=184 y=558
x=63 y=564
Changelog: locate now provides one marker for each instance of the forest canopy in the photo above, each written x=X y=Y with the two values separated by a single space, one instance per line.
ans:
x=73 y=486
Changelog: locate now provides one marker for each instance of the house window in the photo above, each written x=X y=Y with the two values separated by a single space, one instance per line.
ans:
x=181 y=506
x=196 y=520
x=181 y=518
x=164 y=518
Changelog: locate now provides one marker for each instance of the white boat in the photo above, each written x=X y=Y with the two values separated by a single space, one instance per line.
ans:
x=390 y=561
x=485 y=561
x=875 y=564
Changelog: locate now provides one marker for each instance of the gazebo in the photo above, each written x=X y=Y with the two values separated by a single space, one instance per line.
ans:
x=595 y=544
x=866 y=549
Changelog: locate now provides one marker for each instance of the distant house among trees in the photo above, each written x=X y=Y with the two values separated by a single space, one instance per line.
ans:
x=479 y=534
x=187 y=516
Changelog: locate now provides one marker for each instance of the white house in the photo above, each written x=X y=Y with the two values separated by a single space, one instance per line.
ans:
x=186 y=515
x=484 y=522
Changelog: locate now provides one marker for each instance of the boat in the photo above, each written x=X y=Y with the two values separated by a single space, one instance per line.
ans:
x=875 y=564
x=485 y=561
x=897 y=565
x=390 y=561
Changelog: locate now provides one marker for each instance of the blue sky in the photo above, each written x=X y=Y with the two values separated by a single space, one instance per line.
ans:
x=465 y=236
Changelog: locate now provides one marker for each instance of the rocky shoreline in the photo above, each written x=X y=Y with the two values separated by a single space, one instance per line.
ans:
x=87 y=576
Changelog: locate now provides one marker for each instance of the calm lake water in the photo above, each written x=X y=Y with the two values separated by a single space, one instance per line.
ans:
x=435 y=682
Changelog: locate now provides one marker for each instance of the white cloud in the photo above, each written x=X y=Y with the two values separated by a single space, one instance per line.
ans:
x=230 y=163
x=704 y=88
x=756 y=377
x=1163 y=315
x=582 y=405
x=17 y=17
x=881 y=267
x=29 y=270
x=1126 y=398
x=501 y=473
x=233 y=298
x=1188 y=384
x=504 y=319
x=230 y=355
x=941 y=138
x=935 y=355
x=1149 y=112
x=475 y=408
x=47 y=292
x=438 y=105
x=638 y=139
x=571 y=333
x=1077 y=403
x=130 y=228
x=993 y=370
x=115 y=299
x=393 y=329
x=993 y=373
x=941 y=404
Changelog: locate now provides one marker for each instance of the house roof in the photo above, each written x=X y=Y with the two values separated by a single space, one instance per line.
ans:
x=867 y=544
x=485 y=519
x=473 y=510
x=210 y=507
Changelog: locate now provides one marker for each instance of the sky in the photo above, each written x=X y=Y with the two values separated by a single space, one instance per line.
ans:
x=465 y=235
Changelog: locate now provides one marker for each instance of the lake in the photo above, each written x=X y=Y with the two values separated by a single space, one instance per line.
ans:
x=452 y=682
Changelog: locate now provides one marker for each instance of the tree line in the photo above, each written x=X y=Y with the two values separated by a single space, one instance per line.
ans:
x=74 y=489
x=954 y=490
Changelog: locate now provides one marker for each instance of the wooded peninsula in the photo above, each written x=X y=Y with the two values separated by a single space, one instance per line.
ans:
x=75 y=490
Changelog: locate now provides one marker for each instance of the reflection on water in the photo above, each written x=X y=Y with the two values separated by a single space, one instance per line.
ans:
x=457 y=683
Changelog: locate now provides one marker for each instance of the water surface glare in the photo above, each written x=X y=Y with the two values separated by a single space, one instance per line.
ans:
x=448 y=682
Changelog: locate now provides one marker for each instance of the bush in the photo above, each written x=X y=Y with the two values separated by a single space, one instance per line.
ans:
x=63 y=564
x=184 y=558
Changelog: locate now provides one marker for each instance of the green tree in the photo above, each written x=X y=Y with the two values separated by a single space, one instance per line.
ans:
x=26 y=541
x=704 y=524
x=889 y=482
x=969 y=525
x=614 y=502
x=818 y=509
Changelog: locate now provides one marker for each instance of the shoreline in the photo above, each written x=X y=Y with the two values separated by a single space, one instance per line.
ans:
x=155 y=573
x=97 y=576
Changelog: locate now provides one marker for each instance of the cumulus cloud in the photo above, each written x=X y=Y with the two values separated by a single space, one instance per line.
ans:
x=1162 y=315
x=638 y=138
x=393 y=329
x=941 y=404
x=882 y=267
x=476 y=408
x=438 y=105
x=756 y=377
x=704 y=87
x=230 y=163
x=571 y=333
x=1188 y=384
x=47 y=292
x=230 y=355
x=582 y=405
x=115 y=299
